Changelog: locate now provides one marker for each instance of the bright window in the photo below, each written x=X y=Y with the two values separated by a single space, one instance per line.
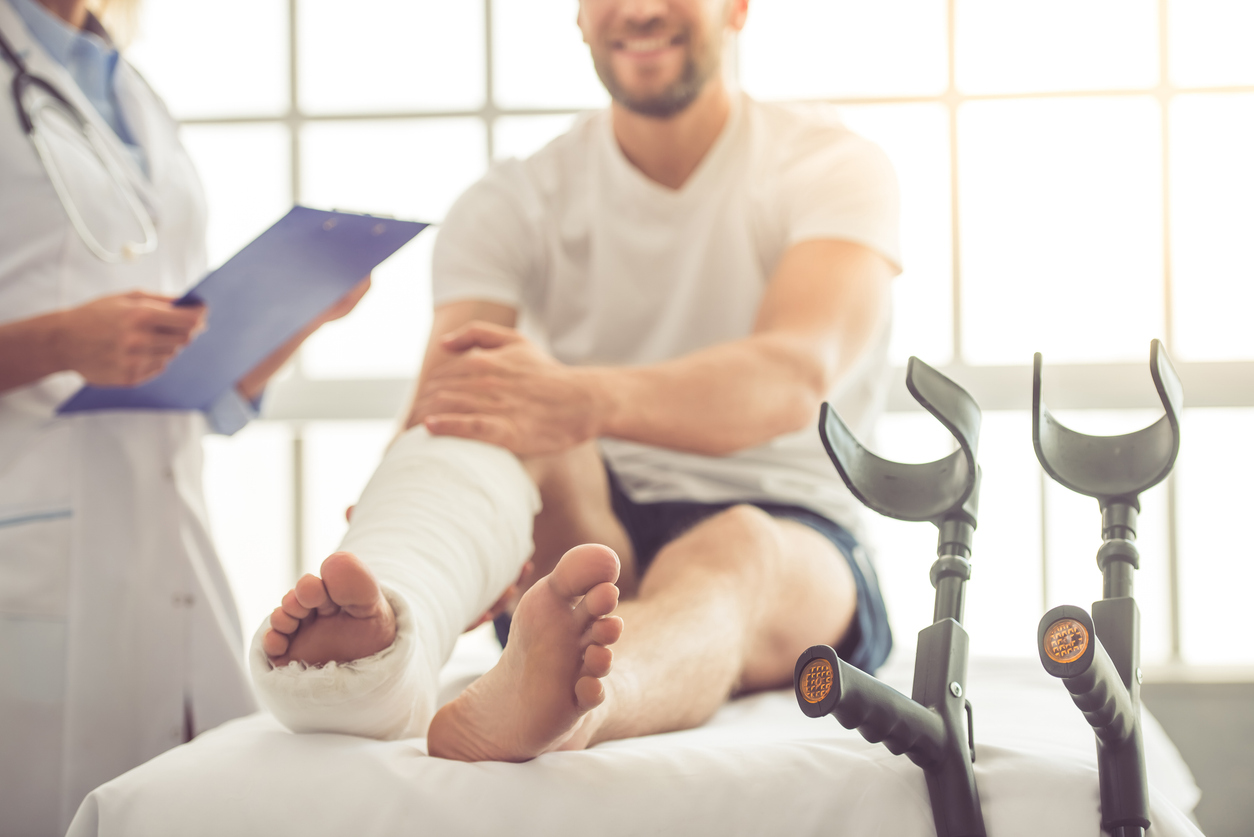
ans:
x=1070 y=189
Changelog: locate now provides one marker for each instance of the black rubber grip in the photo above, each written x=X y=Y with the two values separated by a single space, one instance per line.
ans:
x=876 y=710
x=1091 y=678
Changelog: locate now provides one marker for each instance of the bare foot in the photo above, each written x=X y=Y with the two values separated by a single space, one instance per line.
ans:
x=340 y=617
x=536 y=697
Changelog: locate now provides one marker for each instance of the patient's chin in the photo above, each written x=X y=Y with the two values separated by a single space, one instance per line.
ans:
x=339 y=617
x=538 y=696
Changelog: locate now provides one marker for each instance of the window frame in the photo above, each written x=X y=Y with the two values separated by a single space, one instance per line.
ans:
x=296 y=399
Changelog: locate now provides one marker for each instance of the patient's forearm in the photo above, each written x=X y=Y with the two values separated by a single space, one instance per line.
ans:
x=718 y=400
x=826 y=304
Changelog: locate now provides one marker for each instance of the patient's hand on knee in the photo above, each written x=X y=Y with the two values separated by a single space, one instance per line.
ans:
x=339 y=617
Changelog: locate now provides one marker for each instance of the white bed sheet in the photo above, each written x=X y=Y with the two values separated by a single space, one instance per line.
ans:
x=759 y=767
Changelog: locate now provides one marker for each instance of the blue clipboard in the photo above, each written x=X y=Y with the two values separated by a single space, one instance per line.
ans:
x=264 y=295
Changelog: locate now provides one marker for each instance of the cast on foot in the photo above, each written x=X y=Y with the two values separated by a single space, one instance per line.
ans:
x=537 y=697
x=339 y=617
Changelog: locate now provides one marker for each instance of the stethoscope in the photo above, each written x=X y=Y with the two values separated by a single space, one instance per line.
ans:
x=31 y=118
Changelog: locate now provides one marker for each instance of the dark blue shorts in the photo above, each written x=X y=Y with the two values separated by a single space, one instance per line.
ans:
x=652 y=526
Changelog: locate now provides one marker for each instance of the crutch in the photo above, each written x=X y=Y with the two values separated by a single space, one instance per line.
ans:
x=1098 y=658
x=927 y=728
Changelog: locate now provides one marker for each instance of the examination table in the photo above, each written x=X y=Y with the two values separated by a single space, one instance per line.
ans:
x=759 y=767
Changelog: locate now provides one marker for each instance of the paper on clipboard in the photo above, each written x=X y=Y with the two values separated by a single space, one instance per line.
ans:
x=265 y=294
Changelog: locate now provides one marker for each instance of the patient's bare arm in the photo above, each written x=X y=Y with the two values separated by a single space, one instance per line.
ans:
x=825 y=303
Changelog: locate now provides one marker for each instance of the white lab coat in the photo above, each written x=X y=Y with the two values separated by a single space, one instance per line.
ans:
x=118 y=633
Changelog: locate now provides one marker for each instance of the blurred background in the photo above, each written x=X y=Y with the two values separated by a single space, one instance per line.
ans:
x=1076 y=178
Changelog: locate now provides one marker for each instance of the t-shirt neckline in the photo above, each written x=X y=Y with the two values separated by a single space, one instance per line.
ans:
x=706 y=168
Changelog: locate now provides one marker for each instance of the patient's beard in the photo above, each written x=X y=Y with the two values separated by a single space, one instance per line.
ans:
x=698 y=69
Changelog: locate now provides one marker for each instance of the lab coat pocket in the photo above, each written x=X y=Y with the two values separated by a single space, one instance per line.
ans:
x=35 y=561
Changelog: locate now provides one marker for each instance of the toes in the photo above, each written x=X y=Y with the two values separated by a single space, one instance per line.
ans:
x=597 y=661
x=292 y=607
x=600 y=601
x=589 y=693
x=350 y=584
x=283 y=622
x=604 y=631
x=312 y=593
x=582 y=568
x=274 y=643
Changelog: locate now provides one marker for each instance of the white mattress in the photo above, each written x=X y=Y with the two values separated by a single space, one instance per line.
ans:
x=759 y=767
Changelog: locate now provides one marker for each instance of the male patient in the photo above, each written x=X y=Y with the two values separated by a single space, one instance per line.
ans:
x=703 y=271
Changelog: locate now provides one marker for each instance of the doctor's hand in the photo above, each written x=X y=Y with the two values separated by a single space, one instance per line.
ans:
x=499 y=388
x=124 y=340
x=345 y=304
x=254 y=382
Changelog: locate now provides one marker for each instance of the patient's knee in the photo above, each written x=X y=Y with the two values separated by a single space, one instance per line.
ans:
x=741 y=543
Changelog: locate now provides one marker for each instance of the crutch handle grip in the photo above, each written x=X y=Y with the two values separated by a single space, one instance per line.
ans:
x=1071 y=651
x=827 y=685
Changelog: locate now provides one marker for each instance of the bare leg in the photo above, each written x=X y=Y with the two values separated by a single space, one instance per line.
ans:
x=575 y=493
x=725 y=608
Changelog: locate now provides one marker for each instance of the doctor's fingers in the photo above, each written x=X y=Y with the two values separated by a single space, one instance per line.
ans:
x=151 y=344
x=129 y=372
x=165 y=318
x=145 y=310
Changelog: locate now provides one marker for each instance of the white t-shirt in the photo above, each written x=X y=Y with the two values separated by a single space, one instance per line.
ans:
x=607 y=267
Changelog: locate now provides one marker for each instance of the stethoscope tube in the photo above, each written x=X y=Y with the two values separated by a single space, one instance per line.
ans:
x=22 y=79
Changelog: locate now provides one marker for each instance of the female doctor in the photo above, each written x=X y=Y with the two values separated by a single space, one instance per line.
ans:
x=118 y=635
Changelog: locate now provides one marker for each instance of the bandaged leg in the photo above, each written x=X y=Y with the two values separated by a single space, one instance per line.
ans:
x=445 y=525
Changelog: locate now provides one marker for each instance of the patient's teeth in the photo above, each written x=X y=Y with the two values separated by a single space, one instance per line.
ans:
x=646 y=45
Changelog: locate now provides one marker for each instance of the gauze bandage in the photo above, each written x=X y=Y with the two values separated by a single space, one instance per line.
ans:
x=445 y=524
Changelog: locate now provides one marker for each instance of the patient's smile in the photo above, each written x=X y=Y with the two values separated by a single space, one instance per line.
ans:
x=647 y=47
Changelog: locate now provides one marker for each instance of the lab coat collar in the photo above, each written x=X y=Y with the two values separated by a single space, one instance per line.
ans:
x=40 y=63
x=59 y=37
x=56 y=35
